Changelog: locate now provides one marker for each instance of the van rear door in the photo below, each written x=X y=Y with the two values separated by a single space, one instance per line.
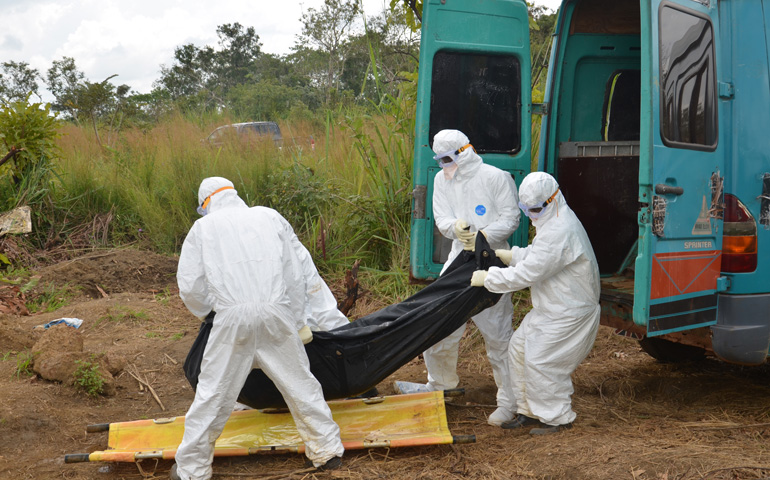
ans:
x=681 y=168
x=474 y=77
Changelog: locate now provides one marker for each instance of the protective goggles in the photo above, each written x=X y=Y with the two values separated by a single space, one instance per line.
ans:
x=535 y=211
x=449 y=158
x=203 y=206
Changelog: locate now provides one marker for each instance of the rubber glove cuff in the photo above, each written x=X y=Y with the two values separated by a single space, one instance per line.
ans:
x=504 y=255
x=306 y=335
x=477 y=280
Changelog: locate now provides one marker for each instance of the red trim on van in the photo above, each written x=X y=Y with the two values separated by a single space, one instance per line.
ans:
x=678 y=273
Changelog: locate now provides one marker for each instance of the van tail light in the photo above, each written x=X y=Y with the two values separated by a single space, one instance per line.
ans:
x=739 y=242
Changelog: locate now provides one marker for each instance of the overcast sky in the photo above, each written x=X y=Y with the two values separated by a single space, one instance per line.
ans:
x=133 y=38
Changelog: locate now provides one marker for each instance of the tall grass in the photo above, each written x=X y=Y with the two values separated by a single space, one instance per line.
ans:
x=346 y=194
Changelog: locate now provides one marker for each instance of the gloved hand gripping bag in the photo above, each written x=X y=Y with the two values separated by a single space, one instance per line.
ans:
x=354 y=358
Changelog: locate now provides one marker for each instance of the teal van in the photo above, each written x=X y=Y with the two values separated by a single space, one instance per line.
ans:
x=655 y=122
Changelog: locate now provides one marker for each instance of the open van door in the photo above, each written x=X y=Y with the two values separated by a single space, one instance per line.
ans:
x=681 y=168
x=474 y=77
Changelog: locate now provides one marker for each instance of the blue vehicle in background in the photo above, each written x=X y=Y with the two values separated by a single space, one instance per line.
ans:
x=655 y=123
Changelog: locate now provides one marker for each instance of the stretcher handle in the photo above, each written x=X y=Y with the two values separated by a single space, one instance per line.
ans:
x=459 y=439
x=76 y=457
x=454 y=392
x=98 y=427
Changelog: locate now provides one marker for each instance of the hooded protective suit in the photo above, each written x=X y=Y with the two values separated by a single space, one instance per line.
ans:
x=556 y=335
x=485 y=197
x=242 y=263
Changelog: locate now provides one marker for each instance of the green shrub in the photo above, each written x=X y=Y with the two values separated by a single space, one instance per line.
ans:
x=88 y=378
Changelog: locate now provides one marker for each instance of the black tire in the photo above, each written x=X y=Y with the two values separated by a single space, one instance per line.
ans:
x=667 y=351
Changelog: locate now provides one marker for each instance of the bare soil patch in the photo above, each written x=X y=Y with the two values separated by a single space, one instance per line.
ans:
x=637 y=418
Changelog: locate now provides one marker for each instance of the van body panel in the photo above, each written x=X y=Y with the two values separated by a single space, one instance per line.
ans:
x=473 y=51
x=684 y=241
x=654 y=110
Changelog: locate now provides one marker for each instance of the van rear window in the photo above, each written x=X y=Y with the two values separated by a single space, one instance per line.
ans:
x=688 y=105
x=479 y=95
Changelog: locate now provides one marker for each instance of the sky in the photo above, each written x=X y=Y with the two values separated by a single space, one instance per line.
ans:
x=134 y=38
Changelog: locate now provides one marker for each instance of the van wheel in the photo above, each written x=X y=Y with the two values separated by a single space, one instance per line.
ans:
x=671 y=352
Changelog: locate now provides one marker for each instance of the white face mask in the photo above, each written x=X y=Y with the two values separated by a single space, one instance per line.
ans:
x=449 y=171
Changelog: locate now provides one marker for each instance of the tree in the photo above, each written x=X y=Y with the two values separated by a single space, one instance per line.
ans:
x=411 y=11
x=328 y=29
x=239 y=49
x=381 y=57
x=28 y=133
x=203 y=76
x=63 y=81
x=18 y=81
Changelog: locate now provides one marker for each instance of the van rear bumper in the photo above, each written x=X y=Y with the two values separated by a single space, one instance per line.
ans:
x=742 y=332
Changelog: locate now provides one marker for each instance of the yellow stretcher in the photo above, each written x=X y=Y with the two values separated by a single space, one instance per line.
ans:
x=390 y=421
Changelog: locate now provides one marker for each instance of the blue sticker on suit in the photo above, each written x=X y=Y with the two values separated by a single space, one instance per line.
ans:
x=481 y=210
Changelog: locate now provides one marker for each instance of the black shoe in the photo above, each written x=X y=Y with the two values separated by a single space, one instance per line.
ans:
x=332 y=464
x=548 y=429
x=521 y=421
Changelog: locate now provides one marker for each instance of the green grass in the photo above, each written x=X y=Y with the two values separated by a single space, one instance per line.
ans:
x=163 y=297
x=120 y=314
x=50 y=298
x=348 y=199
x=24 y=364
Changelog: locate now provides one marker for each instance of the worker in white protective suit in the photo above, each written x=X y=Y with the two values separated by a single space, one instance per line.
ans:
x=470 y=196
x=243 y=263
x=561 y=271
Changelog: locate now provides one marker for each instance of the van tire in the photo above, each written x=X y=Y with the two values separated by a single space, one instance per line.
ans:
x=667 y=351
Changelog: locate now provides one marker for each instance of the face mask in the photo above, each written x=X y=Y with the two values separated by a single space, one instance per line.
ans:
x=449 y=171
x=536 y=211
x=203 y=209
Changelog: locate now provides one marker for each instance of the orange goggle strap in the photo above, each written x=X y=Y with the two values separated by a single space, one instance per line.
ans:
x=550 y=199
x=464 y=148
x=208 y=199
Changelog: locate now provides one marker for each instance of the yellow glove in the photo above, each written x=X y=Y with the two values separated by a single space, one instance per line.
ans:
x=504 y=255
x=477 y=280
x=461 y=228
x=306 y=335
x=469 y=243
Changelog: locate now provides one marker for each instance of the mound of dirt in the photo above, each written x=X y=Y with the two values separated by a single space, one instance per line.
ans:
x=115 y=271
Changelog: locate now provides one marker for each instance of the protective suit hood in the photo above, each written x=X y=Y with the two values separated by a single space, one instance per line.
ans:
x=222 y=193
x=538 y=187
x=468 y=161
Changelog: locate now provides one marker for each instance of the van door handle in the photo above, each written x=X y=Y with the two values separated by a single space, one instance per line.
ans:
x=663 y=189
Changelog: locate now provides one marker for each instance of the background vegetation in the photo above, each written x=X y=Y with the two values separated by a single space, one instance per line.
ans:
x=117 y=167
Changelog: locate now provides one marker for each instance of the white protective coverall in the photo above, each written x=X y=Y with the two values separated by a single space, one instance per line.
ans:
x=321 y=312
x=241 y=263
x=486 y=198
x=556 y=335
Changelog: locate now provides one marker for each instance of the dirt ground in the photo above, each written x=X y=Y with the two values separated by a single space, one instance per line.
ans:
x=637 y=418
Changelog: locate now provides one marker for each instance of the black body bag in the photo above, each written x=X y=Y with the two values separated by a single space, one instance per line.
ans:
x=354 y=358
